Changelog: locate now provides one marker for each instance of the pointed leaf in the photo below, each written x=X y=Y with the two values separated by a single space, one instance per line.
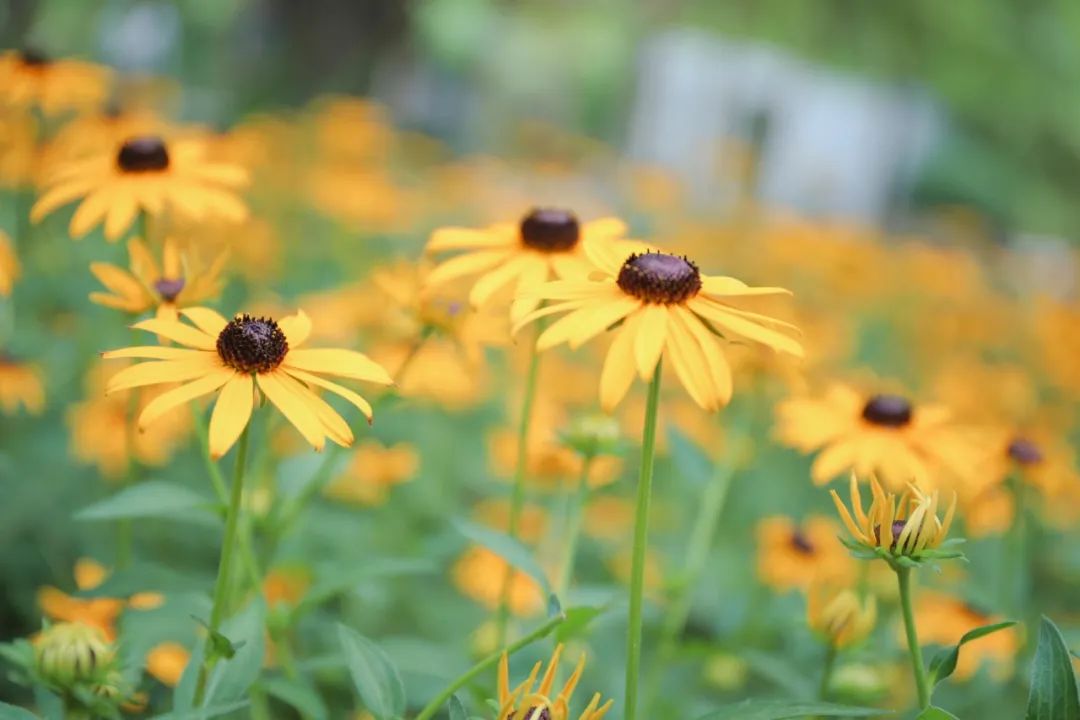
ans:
x=243 y=634
x=153 y=498
x=374 y=675
x=944 y=663
x=457 y=710
x=767 y=709
x=14 y=712
x=1053 y=693
x=299 y=694
x=936 y=713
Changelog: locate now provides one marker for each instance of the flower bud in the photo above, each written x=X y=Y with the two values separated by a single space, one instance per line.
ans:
x=70 y=653
x=592 y=435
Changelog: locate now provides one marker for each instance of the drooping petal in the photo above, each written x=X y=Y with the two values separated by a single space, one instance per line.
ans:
x=618 y=372
x=295 y=410
x=333 y=424
x=166 y=401
x=649 y=339
x=731 y=323
x=361 y=404
x=587 y=322
x=231 y=413
x=691 y=366
x=207 y=320
x=296 y=327
x=719 y=367
x=161 y=371
x=462 y=265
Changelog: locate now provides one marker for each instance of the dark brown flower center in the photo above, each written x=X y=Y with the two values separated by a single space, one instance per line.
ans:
x=1025 y=452
x=887 y=411
x=33 y=57
x=660 y=278
x=143 y=154
x=252 y=345
x=801 y=543
x=550 y=230
x=169 y=288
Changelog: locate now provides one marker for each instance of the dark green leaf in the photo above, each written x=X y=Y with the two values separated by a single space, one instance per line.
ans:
x=374 y=675
x=577 y=620
x=153 y=498
x=13 y=712
x=457 y=710
x=1053 y=693
x=508 y=548
x=205 y=713
x=232 y=677
x=944 y=663
x=759 y=709
x=299 y=694
x=936 y=713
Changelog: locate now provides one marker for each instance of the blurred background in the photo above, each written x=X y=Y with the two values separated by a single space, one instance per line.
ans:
x=907 y=114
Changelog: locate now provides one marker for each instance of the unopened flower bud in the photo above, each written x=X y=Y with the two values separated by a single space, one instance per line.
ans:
x=70 y=653
x=592 y=435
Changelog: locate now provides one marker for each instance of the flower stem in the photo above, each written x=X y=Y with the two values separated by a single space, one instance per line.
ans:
x=922 y=683
x=443 y=697
x=826 y=674
x=641 y=536
x=517 y=497
x=574 y=516
x=228 y=545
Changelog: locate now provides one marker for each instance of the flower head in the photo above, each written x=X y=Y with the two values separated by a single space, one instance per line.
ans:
x=144 y=173
x=236 y=356
x=838 y=614
x=791 y=555
x=525 y=703
x=546 y=243
x=901 y=530
x=29 y=78
x=20 y=385
x=662 y=305
x=72 y=653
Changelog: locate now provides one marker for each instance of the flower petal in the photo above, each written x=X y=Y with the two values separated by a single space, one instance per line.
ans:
x=343 y=363
x=361 y=404
x=163 y=371
x=179 y=332
x=207 y=320
x=296 y=327
x=649 y=339
x=166 y=401
x=295 y=409
x=231 y=413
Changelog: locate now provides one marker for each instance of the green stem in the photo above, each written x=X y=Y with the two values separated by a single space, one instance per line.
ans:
x=212 y=469
x=228 y=546
x=697 y=557
x=1014 y=581
x=641 y=537
x=826 y=673
x=443 y=697
x=574 y=516
x=922 y=683
x=124 y=531
x=517 y=497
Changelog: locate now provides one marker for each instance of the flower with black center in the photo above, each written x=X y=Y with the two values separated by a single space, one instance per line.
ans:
x=31 y=79
x=662 y=305
x=902 y=530
x=886 y=435
x=232 y=358
x=546 y=243
x=525 y=703
x=143 y=174
x=178 y=281
x=790 y=555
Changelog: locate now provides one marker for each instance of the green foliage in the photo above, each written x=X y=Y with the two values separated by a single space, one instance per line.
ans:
x=150 y=499
x=374 y=675
x=1054 y=694
x=935 y=713
x=943 y=664
x=757 y=709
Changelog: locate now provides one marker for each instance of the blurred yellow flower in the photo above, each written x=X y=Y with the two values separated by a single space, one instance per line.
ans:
x=20 y=385
x=524 y=703
x=372 y=471
x=31 y=79
x=166 y=662
x=179 y=281
x=837 y=613
x=286 y=585
x=480 y=574
x=791 y=555
x=99 y=612
x=9 y=265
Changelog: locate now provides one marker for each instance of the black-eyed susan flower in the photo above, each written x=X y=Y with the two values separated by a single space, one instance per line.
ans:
x=9 y=265
x=236 y=356
x=838 y=614
x=662 y=305
x=791 y=555
x=526 y=702
x=902 y=529
x=20 y=385
x=886 y=435
x=144 y=174
x=178 y=281
x=31 y=79
x=547 y=243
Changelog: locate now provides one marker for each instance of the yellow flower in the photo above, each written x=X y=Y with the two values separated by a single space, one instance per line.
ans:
x=883 y=435
x=178 y=282
x=480 y=574
x=9 y=265
x=524 y=703
x=20 y=384
x=546 y=243
x=143 y=174
x=942 y=619
x=166 y=662
x=790 y=556
x=238 y=355
x=100 y=432
x=286 y=585
x=372 y=471
x=100 y=613
x=18 y=149
x=663 y=306
x=893 y=528
x=837 y=613
x=29 y=78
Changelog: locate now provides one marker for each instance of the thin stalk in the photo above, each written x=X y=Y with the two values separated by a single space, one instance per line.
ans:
x=443 y=697
x=517 y=497
x=641 y=537
x=922 y=682
x=829 y=664
x=228 y=546
x=574 y=516
x=1014 y=578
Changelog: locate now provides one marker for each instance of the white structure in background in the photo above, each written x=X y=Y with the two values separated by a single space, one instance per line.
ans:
x=831 y=144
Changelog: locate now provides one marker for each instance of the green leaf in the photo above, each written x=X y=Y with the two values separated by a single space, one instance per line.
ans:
x=334 y=581
x=1053 y=693
x=299 y=694
x=936 y=713
x=690 y=461
x=374 y=675
x=577 y=620
x=944 y=663
x=509 y=549
x=153 y=498
x=457 y=710
x=758 y=709
x=233 y=676
x=14 y=712
x=205 y=713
